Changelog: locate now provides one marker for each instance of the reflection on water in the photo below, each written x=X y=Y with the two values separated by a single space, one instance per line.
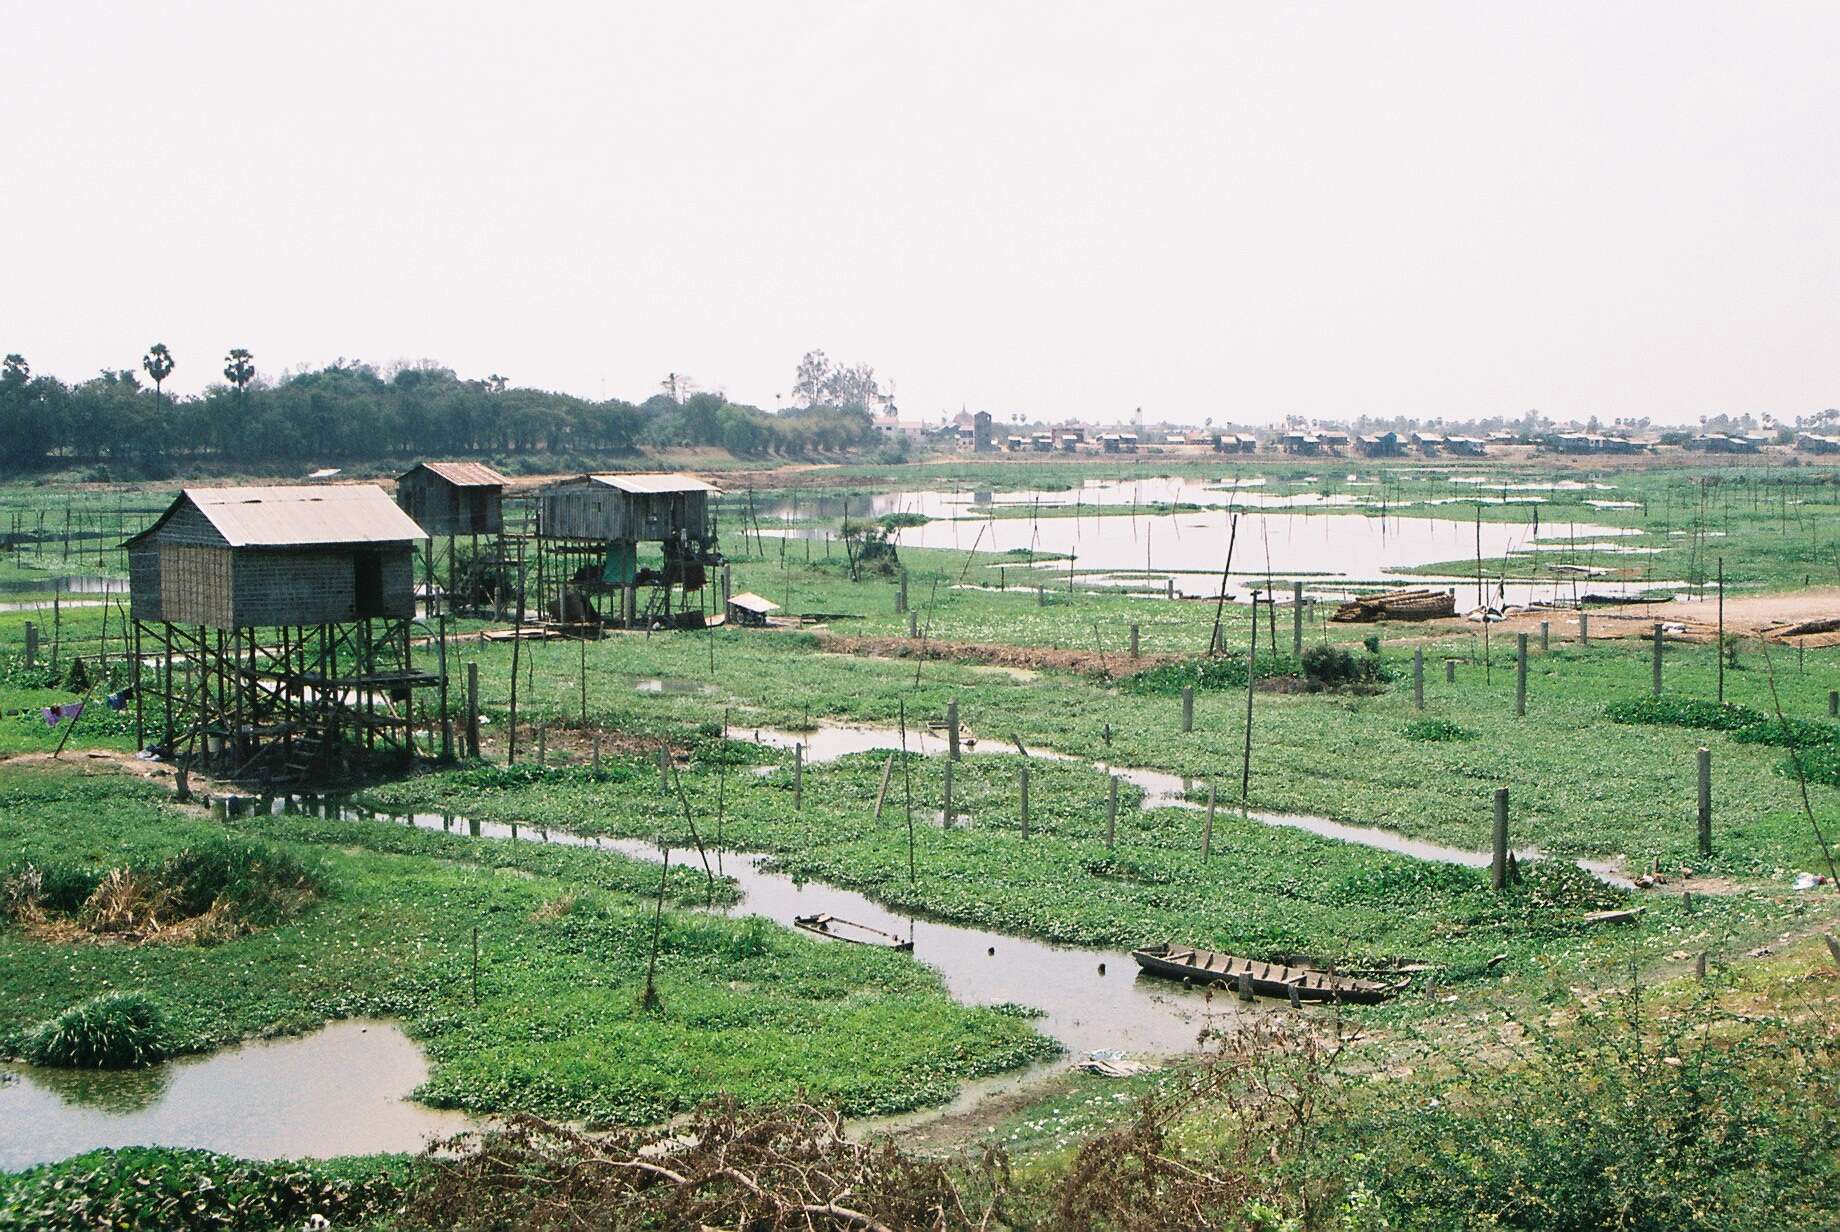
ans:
x=342 y=1090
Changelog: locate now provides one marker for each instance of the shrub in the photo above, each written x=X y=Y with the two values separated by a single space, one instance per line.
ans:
x=1330 y=667
x=117 y=1030
x=1436 y=730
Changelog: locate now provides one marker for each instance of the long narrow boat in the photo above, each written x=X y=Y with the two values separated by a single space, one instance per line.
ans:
x=1268 y=979
x=837 y=929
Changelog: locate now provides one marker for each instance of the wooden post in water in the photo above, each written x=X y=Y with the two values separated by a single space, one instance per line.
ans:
x=1024 y=811
x=1245 y=984
x=1498 y=868
x=1704 y=758
x=1657 y=682
x=1169 y=588
x=1133 y=642
x=1520 y=675
x=798 y=777
x=952 y=730
x=1111 y=814
x=1188 y=708
x=1297 y=620
x=472 y=710
x=1545 y=636
x=1207 y=827
x=1418 y=677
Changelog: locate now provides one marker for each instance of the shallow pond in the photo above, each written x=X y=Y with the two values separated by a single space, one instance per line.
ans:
x=341 y=1090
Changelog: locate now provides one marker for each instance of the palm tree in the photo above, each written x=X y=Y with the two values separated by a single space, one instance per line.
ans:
x=158 y=362
x=239 y=370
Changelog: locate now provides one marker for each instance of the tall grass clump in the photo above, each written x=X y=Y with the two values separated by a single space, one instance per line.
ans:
x=117 y=1030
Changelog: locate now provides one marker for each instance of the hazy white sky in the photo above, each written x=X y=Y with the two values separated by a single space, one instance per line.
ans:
x=1229 y=209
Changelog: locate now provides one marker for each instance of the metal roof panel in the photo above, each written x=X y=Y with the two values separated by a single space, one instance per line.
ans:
x=285 y=517
x=463 y=474
x=652 y=485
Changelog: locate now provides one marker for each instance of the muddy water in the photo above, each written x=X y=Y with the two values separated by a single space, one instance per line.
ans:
x=1189 y=548
x=1090 y=998
x=342 y=1090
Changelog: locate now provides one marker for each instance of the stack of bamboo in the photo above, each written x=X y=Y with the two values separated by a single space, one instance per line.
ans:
x=1417 y=604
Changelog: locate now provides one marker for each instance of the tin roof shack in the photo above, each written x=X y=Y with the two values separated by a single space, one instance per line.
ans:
x=289 y=611
x=453 y=498
x=239 y=558
x=750 y=610
x=589 y=529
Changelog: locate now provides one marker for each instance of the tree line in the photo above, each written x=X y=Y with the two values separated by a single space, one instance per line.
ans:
x=349 y=411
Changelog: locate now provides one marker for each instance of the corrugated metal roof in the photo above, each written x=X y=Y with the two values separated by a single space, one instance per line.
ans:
x=754 y=603
x=286 y=517
x=652 y=485
x=463 y=474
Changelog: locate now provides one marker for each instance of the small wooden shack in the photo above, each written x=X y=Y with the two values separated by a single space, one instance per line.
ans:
x=453 y=498
x=627 y=508
x=240 y=558
x=750 y=610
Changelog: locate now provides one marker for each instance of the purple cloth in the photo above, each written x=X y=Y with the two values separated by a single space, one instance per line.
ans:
x=57 y=714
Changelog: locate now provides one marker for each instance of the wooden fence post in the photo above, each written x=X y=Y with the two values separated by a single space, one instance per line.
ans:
x=472 y=710
x=900 y=599
x=1705 y=800
x=1657 y=681
x=1133 y=643
x=1520 y=675
x=1169 y=588
x=1111 y=815
x=1498 y=868
x=952 y=729
x=1418 y=677
x=798 y=777
x=1041 y=597
x=945 y=813
x=1545 y=636
x=542 y=745
x=1297 y=620
x=597 y=748
x=1188 y=708
x=1584 y=627
x=664 y=767
x=32 y=643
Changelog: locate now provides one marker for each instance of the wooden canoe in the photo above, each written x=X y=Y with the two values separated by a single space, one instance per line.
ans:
x=1269 y=979
x=827 y=925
